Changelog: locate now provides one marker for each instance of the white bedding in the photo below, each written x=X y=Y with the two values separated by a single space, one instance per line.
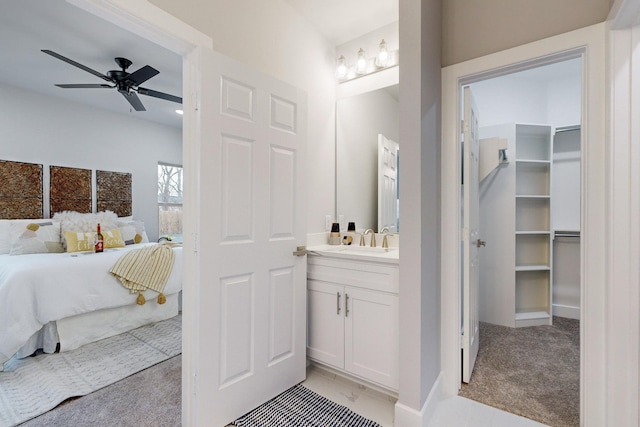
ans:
x=36 y=289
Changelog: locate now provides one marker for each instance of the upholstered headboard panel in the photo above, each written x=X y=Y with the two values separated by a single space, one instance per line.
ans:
x=113 y=191
x=20 y=190
x=69 y=189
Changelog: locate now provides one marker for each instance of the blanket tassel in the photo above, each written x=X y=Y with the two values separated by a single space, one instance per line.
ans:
x=140 y=299
x=161 y=298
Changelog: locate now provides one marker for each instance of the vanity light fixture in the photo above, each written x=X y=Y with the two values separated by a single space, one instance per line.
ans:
x=361 y=62
x=341 y=67
x=363 y=66
x=382 y=59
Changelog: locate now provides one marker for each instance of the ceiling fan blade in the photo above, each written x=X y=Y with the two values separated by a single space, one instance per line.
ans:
x=86 y=86
x=142 y=75
x=133 y=99
x=76 y=64
x=161 y=95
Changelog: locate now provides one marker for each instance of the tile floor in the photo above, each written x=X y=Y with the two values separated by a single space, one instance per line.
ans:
x=364 y=401
x=452 y=412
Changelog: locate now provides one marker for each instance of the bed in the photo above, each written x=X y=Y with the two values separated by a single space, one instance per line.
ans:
x=59 y=301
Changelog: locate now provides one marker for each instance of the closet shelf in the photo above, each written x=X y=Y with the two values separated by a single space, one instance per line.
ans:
x=533 y=196
x=547 y=162
x=531 y=315
x=539 y=267
x=530 y=232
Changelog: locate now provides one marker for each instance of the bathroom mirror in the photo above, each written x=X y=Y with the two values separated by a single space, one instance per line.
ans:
x=360 y=119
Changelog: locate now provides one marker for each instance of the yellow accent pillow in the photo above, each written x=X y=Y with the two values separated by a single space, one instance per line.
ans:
x=113 y=238
x=79 y=241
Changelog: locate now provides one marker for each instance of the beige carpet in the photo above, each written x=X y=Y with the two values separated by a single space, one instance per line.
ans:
x=151 y=397
x=533 y=372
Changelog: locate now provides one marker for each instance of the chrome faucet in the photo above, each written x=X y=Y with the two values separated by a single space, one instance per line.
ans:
x=373 y=237
x=385 y=240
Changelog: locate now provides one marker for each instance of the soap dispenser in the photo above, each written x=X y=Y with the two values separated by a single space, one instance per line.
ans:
x=334 y=236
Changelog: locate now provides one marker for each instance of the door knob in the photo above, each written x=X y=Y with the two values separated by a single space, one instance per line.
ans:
x=300 y=251
x=481 y=243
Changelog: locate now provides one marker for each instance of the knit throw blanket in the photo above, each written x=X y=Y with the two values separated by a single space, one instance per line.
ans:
x=146 y=268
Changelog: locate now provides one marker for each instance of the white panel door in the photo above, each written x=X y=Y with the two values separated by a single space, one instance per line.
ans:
x=387 y=183
x=251 y=288
x=471 y=237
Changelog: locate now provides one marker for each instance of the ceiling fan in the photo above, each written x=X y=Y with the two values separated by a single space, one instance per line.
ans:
x=128 y=84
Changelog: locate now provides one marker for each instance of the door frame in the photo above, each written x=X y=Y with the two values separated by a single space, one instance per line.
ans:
x=589 y=44
x=149 y=21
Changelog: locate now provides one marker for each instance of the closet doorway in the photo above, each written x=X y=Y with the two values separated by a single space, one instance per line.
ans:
x=529 y=218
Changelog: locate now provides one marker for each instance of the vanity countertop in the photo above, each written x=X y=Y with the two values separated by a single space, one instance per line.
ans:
x=359 y=253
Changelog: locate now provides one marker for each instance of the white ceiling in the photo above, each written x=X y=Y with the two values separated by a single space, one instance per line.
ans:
x=340 y=21
x=27 y=26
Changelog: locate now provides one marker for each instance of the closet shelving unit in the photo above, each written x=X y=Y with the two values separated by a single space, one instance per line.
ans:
x=515 y=221
x=533 y=236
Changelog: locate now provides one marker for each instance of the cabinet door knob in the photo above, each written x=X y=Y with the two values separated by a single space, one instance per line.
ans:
x=338 y=303
x=481 y=243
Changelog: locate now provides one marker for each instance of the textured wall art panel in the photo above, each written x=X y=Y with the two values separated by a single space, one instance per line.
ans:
x=20 y=190
x=69 y=190
x=114 y=192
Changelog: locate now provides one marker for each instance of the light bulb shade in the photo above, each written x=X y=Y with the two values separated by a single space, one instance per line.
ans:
x=341 y=67
x=382 y=59
x=361 y=62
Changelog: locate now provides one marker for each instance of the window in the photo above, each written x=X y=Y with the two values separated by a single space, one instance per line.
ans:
x=170 y=201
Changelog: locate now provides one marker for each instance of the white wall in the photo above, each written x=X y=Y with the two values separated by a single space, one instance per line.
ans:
x=476 y=28
x=52 y=131
x=359 y=121
x=539 y=97
x=272 y=38
x=420 y=207
x=564 y=97
x=508 y=99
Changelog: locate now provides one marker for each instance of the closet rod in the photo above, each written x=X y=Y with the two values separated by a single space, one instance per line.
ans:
x=563 y=233
x=567 y=128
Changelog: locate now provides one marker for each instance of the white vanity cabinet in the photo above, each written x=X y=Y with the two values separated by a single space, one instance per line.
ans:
x=353 y=317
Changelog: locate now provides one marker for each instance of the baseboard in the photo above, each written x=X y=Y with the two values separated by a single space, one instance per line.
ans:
x=566 y=311
x=409 y=417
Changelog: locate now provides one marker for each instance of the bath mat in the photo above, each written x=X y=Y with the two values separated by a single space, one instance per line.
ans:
x=301 y=407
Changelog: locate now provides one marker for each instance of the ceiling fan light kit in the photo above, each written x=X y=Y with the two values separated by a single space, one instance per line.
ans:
x=128 y=84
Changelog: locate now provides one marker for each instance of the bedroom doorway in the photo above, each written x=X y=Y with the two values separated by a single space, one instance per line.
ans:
x=149 y=22
x=586 y=44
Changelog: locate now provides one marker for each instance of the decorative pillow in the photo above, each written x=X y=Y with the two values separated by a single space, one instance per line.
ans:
x=80 y=241
x=113 y=238
x=5 y=237
x=133 y=232
x=35 y=236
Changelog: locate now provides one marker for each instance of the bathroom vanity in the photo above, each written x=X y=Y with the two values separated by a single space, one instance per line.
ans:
x=352 y=306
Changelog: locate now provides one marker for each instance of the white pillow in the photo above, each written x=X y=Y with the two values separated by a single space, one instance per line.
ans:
x=85 y=222
x=133 y=232
x=5 y=236
x=34 y=236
